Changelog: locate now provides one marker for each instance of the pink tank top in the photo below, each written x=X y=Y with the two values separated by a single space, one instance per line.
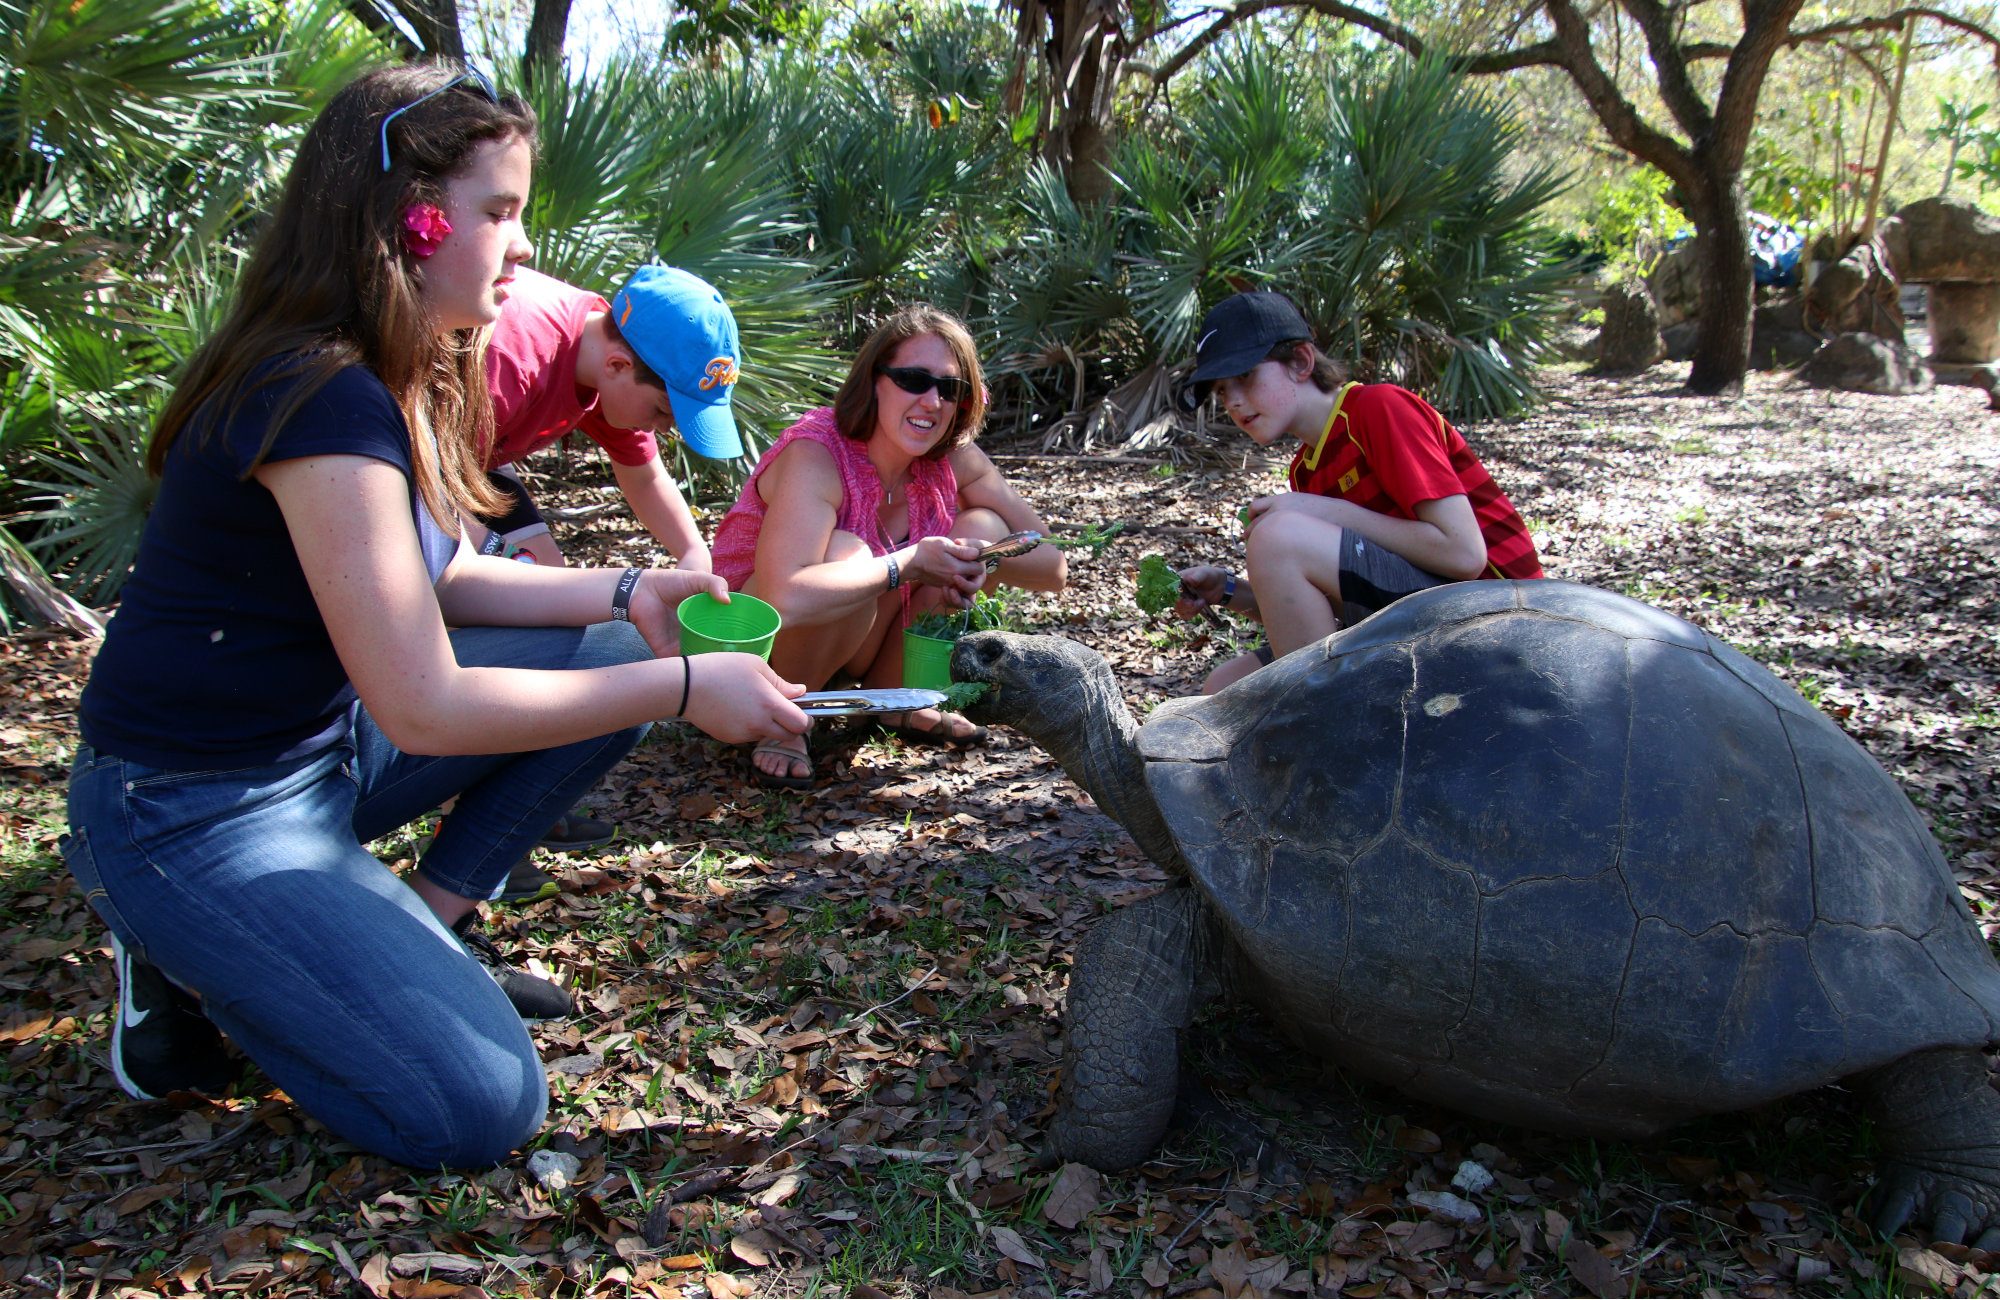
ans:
x=933 y=499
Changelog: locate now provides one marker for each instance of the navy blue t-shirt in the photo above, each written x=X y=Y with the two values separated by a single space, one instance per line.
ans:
x=218 y=655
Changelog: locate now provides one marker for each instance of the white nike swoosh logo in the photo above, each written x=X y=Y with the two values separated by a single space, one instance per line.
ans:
x=1204 y=341
x=132 y=1016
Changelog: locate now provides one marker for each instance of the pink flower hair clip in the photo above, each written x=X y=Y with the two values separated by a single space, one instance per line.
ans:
x=424 y=228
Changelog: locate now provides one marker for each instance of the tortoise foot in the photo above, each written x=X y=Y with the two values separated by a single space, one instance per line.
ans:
x=1940 y=1124
x=1131 y=992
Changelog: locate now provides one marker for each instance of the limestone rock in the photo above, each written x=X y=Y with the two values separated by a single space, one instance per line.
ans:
x=1675 y=283
x=1779 y=339
x=1855 y=294
x=1630 y=339
x=1934 y=240
x=1864 y=363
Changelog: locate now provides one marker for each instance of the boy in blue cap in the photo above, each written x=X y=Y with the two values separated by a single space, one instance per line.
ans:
x=661 y=355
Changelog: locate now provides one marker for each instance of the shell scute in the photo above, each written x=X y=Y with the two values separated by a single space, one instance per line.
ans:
x=1894 y=997
x=1610 y=611
x=1717 y=830
x=1564 y=980
x=1699 y=1020
x=1408 y=974
x=1522 y=776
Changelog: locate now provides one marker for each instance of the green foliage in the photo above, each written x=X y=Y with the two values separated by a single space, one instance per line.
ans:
x=960 y=696
x=1385 y=197
x=1631 y=220
x=719 y=203
x=1093 y=539
x=1158 y=585
x=137 y=138
x=1000 y=611
x=1975 y=150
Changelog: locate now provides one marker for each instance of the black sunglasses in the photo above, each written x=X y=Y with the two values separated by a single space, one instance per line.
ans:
x=480 y=80
x=917 y=381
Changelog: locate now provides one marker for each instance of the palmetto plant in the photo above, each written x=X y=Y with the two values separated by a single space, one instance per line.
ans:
x=1385 y=199
x=686 y=165
x=129 y=129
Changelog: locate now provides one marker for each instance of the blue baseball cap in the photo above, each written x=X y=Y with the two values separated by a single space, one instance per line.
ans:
x=683 y=331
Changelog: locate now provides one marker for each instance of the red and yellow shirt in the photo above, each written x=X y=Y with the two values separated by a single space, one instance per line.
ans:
x=1389 y=451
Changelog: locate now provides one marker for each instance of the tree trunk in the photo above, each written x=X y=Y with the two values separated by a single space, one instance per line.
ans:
x=1722 y=255
x=1082 y=60
x=546 y=30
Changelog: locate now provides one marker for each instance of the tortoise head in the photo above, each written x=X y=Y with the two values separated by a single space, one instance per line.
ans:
x=1063 y=697
x=1047 y=687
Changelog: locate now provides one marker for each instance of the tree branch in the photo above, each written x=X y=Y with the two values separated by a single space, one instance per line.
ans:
x=1765 y=26
x=1670 y=68
x=1894 y=22
x=1620 y=119
x=1228 y=17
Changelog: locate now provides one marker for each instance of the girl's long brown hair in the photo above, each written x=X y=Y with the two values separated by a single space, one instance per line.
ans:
x=330 y=285
x=854 y=405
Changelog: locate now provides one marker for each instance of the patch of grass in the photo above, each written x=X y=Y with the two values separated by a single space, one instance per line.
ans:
x=1693 y=445
x=1165 y=471
x=1696 y=514
x=912 y=1232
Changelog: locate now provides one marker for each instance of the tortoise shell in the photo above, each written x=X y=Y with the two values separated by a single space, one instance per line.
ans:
x=1547 y=854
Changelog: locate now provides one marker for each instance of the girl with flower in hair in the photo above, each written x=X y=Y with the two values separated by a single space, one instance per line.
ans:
x=338 y=661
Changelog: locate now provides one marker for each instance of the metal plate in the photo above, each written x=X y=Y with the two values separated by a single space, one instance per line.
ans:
x=900 y=699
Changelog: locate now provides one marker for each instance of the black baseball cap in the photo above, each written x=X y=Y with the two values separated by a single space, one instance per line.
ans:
x=1237 y=333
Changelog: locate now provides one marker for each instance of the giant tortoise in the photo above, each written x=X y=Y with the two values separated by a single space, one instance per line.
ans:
x=1534 y=851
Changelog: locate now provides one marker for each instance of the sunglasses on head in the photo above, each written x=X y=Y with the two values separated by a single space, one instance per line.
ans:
x=479 y=80
x=917 y=381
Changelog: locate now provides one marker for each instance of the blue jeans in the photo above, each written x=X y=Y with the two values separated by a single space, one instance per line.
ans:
x=251 y=887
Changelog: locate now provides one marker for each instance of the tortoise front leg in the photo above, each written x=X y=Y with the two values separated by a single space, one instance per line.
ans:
x=1940 y=1124
x=1131 y=992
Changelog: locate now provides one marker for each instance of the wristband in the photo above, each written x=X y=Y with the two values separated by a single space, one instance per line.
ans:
x=687 y=684
x=895 y=572
x=1228 y=588
x=621 y=599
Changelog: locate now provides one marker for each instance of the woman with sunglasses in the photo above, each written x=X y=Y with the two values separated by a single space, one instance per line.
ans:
x=870 y=512
x=308 y=656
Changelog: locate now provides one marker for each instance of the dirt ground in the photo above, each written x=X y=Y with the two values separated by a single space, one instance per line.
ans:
x=842 y=1009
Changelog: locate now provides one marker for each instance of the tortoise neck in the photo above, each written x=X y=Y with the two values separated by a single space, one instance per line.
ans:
x=1102 y=756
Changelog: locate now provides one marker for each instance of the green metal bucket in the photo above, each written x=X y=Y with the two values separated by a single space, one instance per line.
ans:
x=927 y=661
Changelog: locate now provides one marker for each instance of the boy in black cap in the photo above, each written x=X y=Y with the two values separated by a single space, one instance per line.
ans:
x=1386 y=496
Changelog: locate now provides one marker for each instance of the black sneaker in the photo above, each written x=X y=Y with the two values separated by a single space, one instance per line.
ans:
x=533 y=997
x=573 y=830
x=160 y=1042
x=526 y=883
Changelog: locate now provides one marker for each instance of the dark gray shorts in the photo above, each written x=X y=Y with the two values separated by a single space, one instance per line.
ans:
x=1372 y=577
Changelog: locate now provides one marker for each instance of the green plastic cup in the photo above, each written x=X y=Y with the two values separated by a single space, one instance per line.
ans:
x=745 y=624
x=927 y=661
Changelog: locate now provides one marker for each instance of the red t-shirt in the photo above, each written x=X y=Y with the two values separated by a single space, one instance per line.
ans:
x=1389 y=451
x=531 y=370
